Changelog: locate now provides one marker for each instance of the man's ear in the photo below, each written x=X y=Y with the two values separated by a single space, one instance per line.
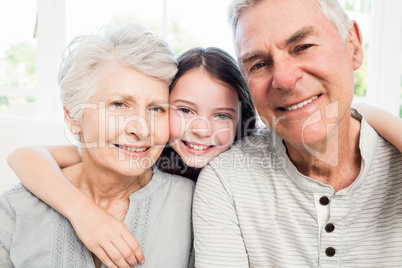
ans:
x=70 y=122
x=356 y=40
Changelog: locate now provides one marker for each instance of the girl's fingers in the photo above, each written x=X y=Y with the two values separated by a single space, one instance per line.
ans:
x=104 y=258
x=125 y=251
x=130 y=240
x=115 y=256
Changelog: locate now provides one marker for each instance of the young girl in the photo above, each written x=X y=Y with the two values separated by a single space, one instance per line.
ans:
x=211 y=107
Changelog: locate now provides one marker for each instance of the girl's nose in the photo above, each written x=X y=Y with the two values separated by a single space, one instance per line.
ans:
x=200 y=126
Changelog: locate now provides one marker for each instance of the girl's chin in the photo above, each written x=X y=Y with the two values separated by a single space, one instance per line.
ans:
x=197 y=162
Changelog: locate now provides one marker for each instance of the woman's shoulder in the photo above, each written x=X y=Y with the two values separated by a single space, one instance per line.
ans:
x=173 y=180
x=163 y=183
x=172 y=187
x=16 y=192
x=21 y=201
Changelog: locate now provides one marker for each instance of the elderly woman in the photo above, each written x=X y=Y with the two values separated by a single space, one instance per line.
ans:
x=114 y=88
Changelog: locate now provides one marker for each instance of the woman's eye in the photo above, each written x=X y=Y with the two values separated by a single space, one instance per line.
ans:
x=117 y=104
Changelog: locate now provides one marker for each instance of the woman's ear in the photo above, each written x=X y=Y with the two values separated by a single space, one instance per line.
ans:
x=356 y=41
x=71 y=123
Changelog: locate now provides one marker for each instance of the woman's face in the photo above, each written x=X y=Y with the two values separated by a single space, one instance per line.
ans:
x=203 y=117
x=125 y=125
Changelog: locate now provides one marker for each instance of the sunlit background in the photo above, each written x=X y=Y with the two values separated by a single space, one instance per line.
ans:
x=34 y=34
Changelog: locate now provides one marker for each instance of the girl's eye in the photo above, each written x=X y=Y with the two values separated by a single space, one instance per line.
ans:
x=184 y=110
x=223 y=116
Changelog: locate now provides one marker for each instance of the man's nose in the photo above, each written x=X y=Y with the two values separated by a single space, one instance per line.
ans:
x=285 y=74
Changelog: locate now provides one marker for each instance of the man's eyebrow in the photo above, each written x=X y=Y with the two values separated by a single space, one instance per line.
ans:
x=250 y=56
x=300 y=34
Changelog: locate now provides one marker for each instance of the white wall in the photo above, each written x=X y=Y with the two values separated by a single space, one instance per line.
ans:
x=17 y=131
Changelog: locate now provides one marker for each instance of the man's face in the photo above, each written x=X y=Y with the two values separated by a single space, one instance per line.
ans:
x=299 y=71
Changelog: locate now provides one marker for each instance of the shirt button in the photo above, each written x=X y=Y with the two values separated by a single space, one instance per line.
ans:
x=330 y=252
x=329 y=228
x=324 y=200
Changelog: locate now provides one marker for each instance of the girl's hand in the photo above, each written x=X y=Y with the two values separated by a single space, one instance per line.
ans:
x=109 y=239
x=387 y=125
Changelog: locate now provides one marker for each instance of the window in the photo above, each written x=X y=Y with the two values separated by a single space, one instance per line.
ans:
x=29 y=66
x=378 y=81
x=359 y=10
x=18 y=49
x=184 y=24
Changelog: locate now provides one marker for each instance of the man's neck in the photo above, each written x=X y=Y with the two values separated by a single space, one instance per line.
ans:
x=335 y=161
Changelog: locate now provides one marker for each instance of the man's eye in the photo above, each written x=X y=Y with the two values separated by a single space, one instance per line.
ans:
x=258 y=66
x=157 y=109
x=302 y=47
x=184 y=110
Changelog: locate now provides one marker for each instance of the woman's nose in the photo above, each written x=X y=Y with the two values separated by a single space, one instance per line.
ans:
x=137 y=128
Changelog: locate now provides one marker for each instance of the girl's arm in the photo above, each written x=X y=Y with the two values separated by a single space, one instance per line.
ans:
x=110 y=241
x=387 y=125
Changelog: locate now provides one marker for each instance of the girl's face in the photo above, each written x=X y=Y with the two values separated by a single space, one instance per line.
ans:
x=203 y=117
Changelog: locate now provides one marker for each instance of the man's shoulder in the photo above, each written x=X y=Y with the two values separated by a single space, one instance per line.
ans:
x=386 y=150
x=262 y=140
x=254 y=152
x=374 y=147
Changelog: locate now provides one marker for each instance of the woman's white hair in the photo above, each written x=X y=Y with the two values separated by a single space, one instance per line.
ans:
x=330 y=8
x=130 y=45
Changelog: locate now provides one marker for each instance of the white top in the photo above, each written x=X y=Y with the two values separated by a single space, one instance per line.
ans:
x=252 y=208
x=32 y=234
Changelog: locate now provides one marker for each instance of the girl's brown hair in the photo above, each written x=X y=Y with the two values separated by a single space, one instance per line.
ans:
x=223 y=67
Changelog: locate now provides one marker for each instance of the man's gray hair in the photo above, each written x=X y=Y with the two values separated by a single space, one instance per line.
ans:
x=130 y=45
x=330 y=8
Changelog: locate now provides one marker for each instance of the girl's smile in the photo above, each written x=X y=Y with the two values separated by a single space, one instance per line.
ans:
x=203 y=117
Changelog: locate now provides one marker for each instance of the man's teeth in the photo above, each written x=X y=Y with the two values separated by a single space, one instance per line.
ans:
x=132 y=149
x=197 y=147
x=301 y=104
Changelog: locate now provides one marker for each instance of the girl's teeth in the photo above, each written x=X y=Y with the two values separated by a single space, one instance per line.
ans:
x=196 y=147
x=301 y=104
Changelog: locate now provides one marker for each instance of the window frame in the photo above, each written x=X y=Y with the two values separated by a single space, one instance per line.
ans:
x=385 y=53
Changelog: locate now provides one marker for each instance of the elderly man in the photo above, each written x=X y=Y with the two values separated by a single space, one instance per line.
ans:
x=321 y=189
